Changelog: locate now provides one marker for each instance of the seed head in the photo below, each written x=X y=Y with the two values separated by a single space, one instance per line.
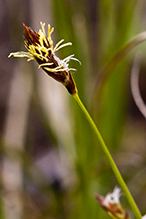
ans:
x=111 y=204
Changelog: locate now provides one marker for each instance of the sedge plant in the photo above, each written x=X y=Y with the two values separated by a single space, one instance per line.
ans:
x=41 y=49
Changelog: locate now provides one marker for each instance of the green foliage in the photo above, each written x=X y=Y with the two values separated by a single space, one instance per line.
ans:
x=115 y=28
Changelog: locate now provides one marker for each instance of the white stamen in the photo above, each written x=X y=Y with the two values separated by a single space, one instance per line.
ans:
x=57 y=45
x=72 y=69
x=63 y=45
x=67 y=59
x=113 y=197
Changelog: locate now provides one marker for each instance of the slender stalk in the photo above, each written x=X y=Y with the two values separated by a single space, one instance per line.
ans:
x=109 y=158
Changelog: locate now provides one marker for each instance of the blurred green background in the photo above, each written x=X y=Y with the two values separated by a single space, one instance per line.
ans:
x=51 y=165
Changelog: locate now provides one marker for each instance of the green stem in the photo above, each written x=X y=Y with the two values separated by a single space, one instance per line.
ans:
x=109 y=158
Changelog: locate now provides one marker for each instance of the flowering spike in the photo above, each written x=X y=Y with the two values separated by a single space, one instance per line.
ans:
x=40 y=48
x=111 y=204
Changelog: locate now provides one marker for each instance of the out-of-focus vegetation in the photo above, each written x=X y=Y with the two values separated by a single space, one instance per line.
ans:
x=51 y=163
